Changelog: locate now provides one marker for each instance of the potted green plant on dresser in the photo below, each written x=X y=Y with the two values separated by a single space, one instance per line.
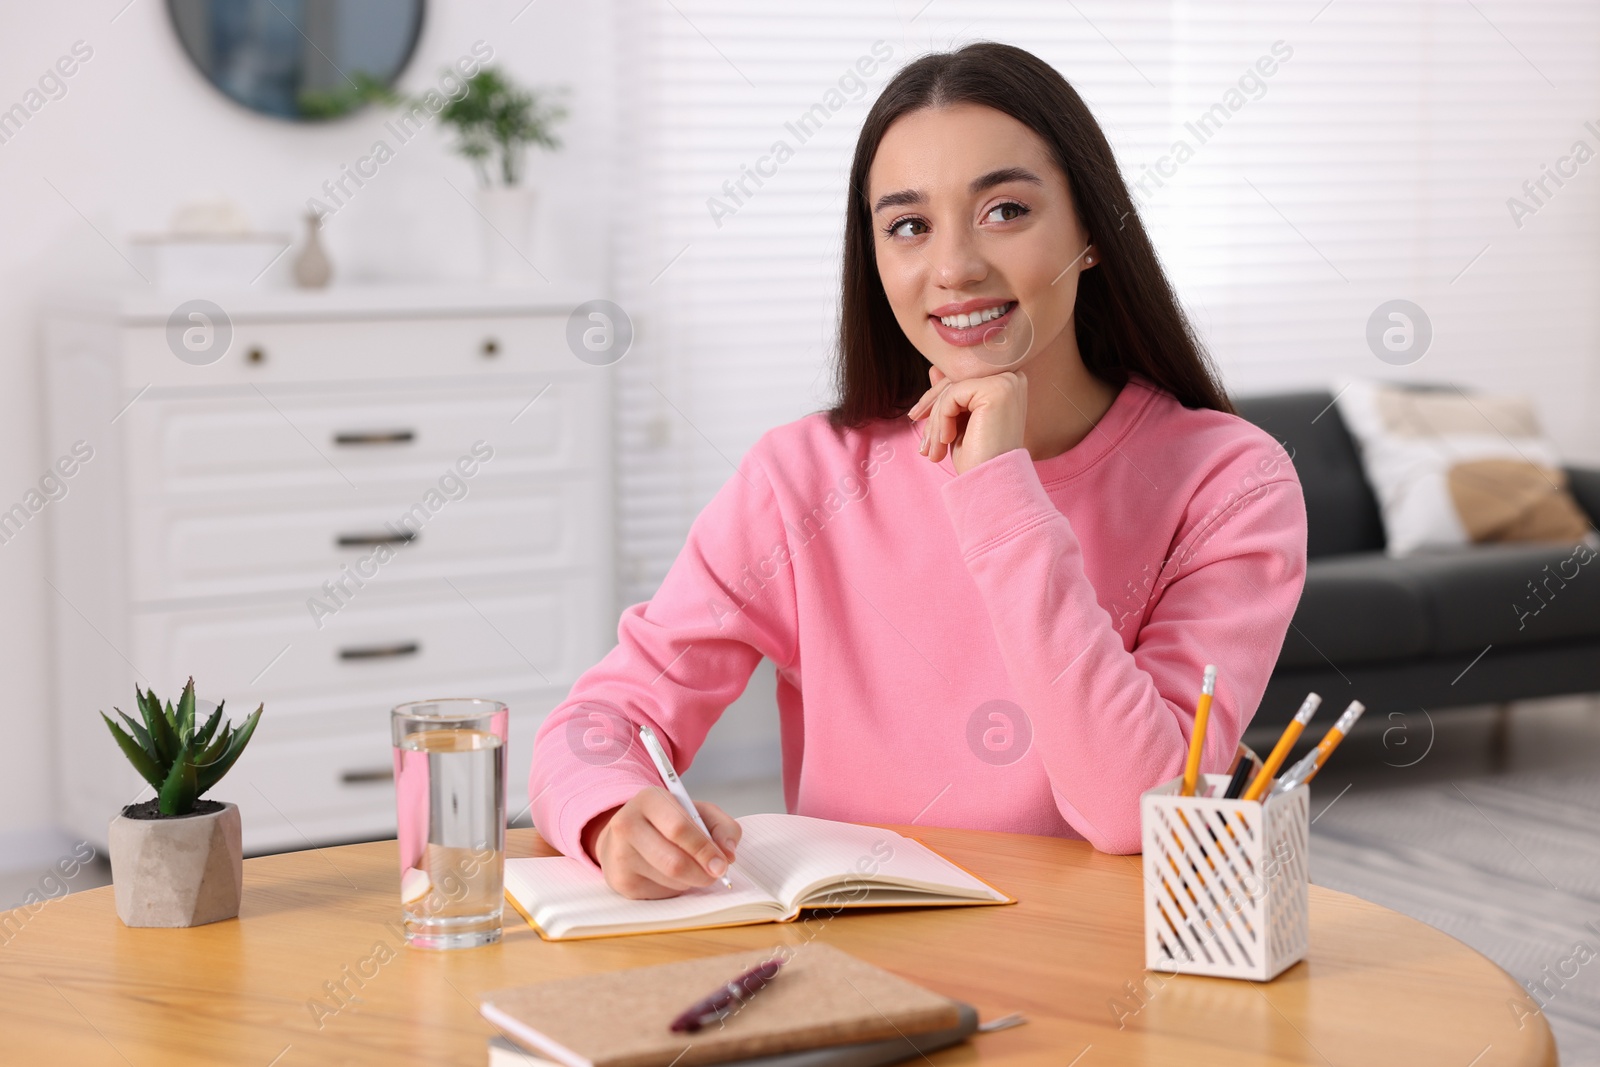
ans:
x=177 y=860
x=495 y=122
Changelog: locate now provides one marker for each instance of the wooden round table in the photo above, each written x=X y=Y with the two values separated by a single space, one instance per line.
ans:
x=314 y=971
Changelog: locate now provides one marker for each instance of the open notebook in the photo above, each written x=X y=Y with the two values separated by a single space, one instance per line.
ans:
x=785 y=863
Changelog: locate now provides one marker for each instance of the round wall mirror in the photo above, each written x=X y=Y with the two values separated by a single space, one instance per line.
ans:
x=303 y=60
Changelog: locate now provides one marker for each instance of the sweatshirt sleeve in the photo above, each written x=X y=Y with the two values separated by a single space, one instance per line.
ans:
x=680 y=659
x=1107 y=722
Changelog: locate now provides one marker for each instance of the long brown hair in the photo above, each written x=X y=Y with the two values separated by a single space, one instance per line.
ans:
x=1127 y=317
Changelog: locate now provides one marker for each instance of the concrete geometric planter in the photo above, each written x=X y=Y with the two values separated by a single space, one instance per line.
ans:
x=177 y=871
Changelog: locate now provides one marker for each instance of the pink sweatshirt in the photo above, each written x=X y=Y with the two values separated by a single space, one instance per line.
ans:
x=1015 y=648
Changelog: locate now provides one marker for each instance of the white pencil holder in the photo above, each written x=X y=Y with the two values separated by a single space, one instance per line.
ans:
x=1225 y=881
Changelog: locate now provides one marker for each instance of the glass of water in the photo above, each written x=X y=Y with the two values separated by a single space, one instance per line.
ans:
x=450 y=793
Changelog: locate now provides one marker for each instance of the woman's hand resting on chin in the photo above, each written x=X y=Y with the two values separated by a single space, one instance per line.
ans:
x=974 y=419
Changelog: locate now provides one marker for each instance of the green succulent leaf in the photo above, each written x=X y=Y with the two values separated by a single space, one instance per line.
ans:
x=144 y=717
x=147 y=768
x=203 y=736
x=217 y=746
x=211 y=771
x=147 y=701
x=179 y=792
x=185 y=719
x=160 y=727
x=137 y=732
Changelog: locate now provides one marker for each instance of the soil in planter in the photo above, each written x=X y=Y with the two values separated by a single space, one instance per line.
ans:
x=151 y=809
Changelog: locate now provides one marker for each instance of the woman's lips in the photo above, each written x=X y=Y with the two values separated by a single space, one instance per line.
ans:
x=967 y=337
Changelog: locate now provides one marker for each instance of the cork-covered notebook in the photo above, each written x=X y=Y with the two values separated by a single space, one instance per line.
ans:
x=622 y=1018
x=784 y=863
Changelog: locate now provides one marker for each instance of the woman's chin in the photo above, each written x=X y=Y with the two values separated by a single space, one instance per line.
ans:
x=963 y=363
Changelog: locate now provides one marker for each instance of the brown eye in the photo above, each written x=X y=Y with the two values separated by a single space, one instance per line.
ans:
x=907 y=227
x=1006 y=212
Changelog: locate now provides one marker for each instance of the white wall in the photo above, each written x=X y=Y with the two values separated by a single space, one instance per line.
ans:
x=137 y=133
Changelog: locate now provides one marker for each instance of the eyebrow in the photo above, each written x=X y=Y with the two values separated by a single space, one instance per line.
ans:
x=978 y=185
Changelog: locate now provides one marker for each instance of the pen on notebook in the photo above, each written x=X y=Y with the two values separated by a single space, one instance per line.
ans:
x=1307 y=768
x=669 y=778
x=1280 y=752
x=1197 y=739
x=718 y=1004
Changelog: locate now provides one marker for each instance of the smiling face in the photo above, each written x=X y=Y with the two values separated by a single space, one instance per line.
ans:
x=977 y=242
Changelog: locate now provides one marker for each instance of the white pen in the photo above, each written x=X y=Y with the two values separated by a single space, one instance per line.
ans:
x=658 y=756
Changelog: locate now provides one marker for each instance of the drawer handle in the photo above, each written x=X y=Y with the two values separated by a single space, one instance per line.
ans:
x=369 y=540
x=491 y=348
x=408 y=648
x=385 y=774
x=256 y=354
x=375 y=437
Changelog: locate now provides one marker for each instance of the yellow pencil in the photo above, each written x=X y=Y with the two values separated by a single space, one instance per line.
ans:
x=1197 y=739
x=1280 y=751
x=1312 y=762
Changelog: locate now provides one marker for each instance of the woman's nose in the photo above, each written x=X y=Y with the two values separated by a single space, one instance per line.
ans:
x=955 y=259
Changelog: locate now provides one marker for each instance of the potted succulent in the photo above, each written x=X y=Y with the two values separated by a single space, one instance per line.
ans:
x=176 y=860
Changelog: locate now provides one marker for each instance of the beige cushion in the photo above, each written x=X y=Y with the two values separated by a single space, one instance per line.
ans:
x=1451 y=467
x=1514 y=500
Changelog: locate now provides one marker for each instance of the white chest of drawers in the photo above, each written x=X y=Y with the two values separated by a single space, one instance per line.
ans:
x=374 y=496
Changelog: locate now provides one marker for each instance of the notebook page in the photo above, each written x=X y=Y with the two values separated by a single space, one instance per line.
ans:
x=793 y=853
x=564 y=895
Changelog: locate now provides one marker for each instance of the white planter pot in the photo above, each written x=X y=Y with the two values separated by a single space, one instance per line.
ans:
x=183 y=871
x=507 y=233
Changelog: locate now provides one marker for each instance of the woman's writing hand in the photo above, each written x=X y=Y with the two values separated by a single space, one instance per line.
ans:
x=974 y=419
x=650 y=848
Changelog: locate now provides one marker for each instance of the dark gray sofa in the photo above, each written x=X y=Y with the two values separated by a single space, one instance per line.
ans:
x=1429 y=631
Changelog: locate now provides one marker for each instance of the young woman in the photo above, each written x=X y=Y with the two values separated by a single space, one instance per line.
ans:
x=991 y=577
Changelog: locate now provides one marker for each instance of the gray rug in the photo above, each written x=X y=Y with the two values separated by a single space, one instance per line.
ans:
x=1509 y=864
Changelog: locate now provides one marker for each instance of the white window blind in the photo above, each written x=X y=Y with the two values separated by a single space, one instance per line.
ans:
x=1375 y=162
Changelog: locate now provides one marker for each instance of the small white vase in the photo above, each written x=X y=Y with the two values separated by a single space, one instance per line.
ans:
x=312 y=269
x=178 y=871
x=507 y=232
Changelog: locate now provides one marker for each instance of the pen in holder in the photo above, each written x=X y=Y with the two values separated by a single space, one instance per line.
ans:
x=1225 y=881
